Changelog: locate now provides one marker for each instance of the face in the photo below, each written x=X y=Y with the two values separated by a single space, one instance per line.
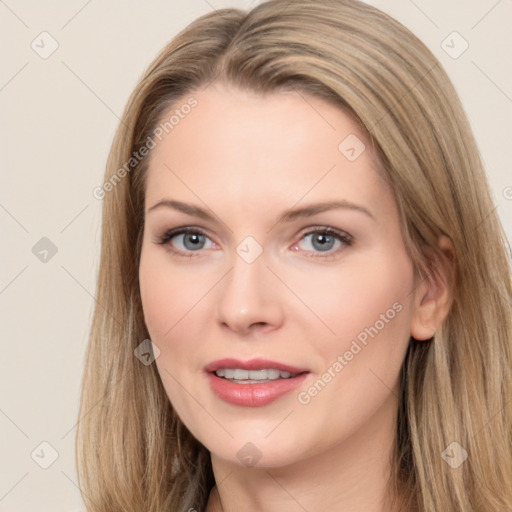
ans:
x=273 y=276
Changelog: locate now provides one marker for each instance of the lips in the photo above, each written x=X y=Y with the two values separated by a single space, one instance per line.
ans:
x=252 y=364
x=240 y=383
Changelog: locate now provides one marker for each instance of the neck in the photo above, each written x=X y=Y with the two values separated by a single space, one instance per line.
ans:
x=351 y=476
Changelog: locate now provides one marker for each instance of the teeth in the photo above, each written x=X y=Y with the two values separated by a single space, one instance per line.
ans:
x=239 y=374
x=272 y=374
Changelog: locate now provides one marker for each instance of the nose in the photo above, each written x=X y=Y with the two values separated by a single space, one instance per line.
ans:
x=249 y=298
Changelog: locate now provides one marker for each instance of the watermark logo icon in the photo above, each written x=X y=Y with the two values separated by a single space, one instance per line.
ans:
x=351 y=147
x=44 y=250
x=454 y=455
x=44 y=455
x=44 y=45
x=249 y=249
x=147 y=352
x=249 y=455
x=454 y=45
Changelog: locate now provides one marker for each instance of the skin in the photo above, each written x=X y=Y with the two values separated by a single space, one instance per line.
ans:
x=246 y=159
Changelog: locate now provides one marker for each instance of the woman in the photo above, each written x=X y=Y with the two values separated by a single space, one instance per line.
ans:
x=304 y=293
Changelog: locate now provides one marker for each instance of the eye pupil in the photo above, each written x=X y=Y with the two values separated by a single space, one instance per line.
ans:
x=193 y=240
x=325 y=241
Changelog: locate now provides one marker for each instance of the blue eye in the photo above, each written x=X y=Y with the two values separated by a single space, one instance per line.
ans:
x=185 y=240
x=321 y=241
x=188 y=240
x=325 y=240
x=192 y=241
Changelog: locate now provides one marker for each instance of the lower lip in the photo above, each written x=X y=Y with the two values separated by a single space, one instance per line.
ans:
x=253 y=395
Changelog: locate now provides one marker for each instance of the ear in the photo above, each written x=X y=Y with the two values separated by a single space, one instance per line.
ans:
x=433 y=296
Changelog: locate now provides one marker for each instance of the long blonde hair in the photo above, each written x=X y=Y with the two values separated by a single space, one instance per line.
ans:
x=133 y=452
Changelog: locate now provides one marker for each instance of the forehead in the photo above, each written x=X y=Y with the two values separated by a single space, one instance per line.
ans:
x=282 y=146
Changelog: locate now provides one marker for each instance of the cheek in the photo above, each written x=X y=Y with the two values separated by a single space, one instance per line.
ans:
x=158 y=299
x=166 y=301
x=366 y=311
x=356 y=297
x=167 y=294
x=368 y=308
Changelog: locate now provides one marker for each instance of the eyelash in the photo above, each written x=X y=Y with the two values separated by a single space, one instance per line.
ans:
x=341 y=236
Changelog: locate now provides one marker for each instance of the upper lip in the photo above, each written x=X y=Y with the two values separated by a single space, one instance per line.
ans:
x=252 y=364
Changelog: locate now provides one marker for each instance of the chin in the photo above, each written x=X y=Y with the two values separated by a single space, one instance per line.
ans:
x=251 y=448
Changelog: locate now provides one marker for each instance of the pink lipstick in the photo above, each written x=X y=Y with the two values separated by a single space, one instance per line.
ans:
x=253 y=383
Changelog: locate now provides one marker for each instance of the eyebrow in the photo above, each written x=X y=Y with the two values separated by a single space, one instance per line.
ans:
x=287 y=216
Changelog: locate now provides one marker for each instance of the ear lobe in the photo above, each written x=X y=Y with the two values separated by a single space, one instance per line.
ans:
x=434 y=295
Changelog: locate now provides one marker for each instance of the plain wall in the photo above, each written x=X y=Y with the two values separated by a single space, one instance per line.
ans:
x=58 y=116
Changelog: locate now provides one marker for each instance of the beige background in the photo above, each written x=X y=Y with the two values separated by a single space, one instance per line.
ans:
x=58 y=116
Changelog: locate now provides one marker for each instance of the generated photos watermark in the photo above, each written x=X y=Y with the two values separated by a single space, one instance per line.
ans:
x=162 y=129
x=305 y=397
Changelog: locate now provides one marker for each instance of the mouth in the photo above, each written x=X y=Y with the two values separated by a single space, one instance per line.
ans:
x=253 y=383
x=242 y=376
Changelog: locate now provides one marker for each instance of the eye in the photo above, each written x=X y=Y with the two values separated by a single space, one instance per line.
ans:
x=185 y=240
x=323 y=240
